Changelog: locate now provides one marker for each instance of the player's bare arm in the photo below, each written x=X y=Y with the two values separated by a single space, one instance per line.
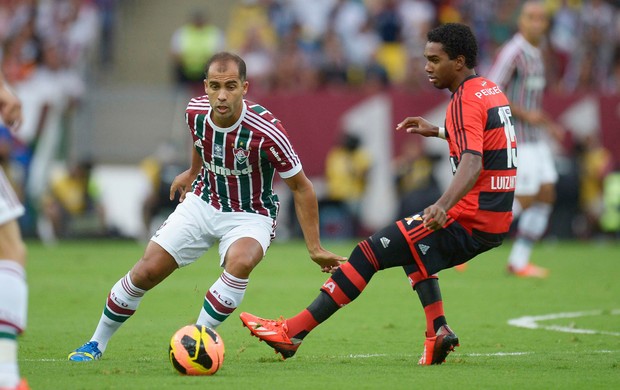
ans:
x=307 y=211
x=10 y=106
x=540 y=118
x=183 y=181
x=464 y=179
x=418 y=125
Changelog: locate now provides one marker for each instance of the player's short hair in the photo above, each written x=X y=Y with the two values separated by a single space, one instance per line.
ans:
x=225 y=56
x=457 y=40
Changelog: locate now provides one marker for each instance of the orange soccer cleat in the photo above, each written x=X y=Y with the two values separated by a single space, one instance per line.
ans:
x=22 y=385
x=529 y=271
x=273 y=332
x=437 y=348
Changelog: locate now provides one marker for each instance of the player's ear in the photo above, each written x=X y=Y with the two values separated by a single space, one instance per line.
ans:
x=246 y=85
x=459 y=62
x=206 y=84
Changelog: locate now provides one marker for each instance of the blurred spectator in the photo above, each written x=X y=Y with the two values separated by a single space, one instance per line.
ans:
x=346 y=170
x=595 y=162
x=610 y=220
x=563 y=36
x=313 y=17
x=259 y=61
x=192 y=45
x=50 y=95
x=418 y=17
x=334 y=66
x=76 y=27
x=415 y=183
x=250 y=18
x=161 y=168
x=281 y=16
x=107 y=11
x=294 y=70
x=590 y=64
x=72 y=207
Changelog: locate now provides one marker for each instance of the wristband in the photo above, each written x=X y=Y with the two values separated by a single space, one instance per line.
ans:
x=441 y=133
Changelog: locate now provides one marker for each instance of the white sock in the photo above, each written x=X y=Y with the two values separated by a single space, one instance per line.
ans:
x=9 y=371
x=121 y=304
x=516 y=208
x=13 y=317
x=221 y=300
x=532 y=226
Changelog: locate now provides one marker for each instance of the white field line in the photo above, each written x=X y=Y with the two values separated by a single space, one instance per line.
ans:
x=532 y=322
x=351 y=356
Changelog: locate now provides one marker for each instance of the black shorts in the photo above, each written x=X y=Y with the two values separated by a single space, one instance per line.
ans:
x=408 y=243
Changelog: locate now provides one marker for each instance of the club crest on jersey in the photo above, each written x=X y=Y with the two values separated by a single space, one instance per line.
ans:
x=241 y=155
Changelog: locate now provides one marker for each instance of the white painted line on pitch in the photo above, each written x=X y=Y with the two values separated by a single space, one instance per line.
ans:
x=492 y=354
x=356 y=356
x=367 y=355
x=531 y=322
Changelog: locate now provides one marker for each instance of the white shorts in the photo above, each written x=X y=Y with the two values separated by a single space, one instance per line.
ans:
x=10 y=207
x=195 y=226
x=535 y=168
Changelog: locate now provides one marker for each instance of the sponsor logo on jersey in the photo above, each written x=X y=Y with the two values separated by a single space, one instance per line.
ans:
x=218 y=151
x=198 y=144
x=488 y=92
x=385 y=241
x=423 y=248
x=275 y=153
x=219 y=170
x=241 y=155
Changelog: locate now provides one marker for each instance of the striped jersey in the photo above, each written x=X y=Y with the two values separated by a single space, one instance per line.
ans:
x=519 y=70
x=479 y=121
x=239 y=162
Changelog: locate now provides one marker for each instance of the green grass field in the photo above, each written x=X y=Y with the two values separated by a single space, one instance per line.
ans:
x=374 y=343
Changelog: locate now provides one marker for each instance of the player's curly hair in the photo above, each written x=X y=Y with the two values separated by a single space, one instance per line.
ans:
x=457 y=39
x=225 y=56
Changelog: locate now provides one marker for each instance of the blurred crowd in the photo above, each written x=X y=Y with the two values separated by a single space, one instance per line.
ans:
x=49 y=50
x=293 y=45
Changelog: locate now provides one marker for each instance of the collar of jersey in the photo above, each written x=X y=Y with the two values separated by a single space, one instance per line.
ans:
x=227 y=129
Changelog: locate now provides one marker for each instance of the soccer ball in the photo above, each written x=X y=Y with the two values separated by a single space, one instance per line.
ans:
x=196 y=350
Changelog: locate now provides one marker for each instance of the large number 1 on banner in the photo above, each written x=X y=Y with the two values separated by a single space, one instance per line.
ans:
x=505 y=116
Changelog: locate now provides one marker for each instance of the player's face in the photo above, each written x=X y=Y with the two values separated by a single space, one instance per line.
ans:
x=441 y=70
x=225 y=91
x=533 y=22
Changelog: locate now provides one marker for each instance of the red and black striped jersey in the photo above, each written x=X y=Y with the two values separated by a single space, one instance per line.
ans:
x=239 y=162
x=479 y=121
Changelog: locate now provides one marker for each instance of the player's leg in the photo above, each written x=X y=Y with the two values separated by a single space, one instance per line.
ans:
x=177 y=243
x=435 y=251
x=385 y=249
x=429 y=294
x=124 y=298
x=227 y=293
x=537 y=188
x=13 y=300
x=13 y=286
x=243 y=244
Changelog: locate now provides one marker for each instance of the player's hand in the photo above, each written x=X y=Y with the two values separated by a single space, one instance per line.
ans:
x=556 y=131
x=182 y=183
x=417 y=125
x=434 y=217
x=328 y=261
x=10 y=108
